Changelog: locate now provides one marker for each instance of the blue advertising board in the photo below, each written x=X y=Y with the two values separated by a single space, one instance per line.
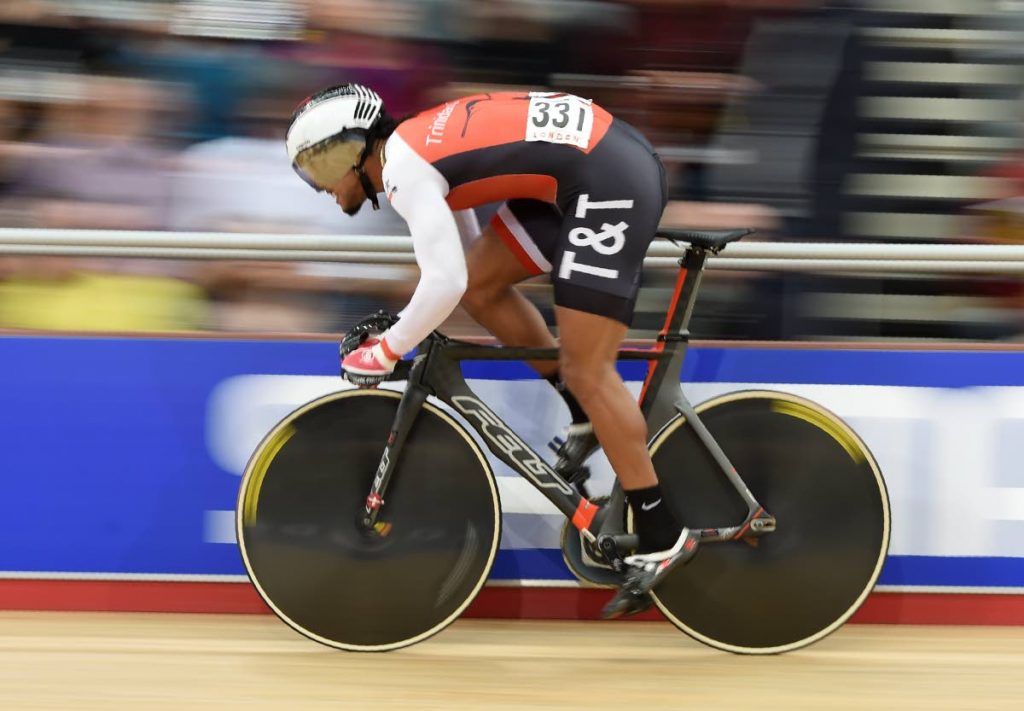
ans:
x=122 y=456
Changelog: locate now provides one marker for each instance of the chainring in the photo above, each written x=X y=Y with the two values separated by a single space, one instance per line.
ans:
x=572 y=554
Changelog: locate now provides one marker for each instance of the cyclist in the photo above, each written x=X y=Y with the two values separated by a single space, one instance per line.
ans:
x=582 y=194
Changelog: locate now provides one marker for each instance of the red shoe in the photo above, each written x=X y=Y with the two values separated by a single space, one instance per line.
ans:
x=370 y=363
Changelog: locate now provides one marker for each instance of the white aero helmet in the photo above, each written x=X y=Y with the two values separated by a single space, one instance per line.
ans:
x=328 y=134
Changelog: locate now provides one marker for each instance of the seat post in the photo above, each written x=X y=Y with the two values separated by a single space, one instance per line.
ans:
x=657 y=403
x=681 y=309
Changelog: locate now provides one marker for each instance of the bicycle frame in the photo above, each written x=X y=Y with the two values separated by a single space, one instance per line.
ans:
x=435 y=371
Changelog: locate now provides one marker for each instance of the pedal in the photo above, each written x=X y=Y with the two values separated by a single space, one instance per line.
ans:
x=593 y=556
x=570 y=452
x=610 y=552
x=573 y=449
x=577 y=476
x=578 y=480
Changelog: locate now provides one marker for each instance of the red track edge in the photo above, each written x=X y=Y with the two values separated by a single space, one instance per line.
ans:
x=501 y=602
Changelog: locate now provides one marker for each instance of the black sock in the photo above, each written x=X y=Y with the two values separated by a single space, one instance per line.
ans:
x=655 y=524
x=578 y=415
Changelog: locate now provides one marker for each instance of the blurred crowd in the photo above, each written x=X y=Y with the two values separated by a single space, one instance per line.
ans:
x=170 y=114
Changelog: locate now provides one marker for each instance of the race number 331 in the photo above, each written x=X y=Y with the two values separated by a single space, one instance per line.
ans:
x=559 y=118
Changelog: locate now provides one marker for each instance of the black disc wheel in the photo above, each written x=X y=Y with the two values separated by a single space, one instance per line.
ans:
x=815 y=475
x=298 y=515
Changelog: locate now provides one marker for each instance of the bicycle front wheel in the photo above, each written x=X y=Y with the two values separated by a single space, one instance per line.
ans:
x=816 y=476
x=301 y=499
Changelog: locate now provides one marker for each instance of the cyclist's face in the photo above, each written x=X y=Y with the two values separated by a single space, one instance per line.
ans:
x=348 y=193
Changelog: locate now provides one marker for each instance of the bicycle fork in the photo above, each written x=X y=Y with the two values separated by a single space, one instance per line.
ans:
x=408 y=407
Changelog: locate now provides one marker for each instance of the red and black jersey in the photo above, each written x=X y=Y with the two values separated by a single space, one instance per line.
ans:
x=505 y=145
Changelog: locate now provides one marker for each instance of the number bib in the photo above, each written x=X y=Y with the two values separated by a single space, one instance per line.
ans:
x=559 y=118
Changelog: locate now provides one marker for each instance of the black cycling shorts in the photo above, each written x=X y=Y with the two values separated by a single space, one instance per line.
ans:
x=594 y=246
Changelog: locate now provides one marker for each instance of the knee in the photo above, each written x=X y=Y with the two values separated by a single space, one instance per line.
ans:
x=478 y=296
x=584 y=380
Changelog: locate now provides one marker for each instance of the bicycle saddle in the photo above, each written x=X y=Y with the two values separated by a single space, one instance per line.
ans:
x=714 y=240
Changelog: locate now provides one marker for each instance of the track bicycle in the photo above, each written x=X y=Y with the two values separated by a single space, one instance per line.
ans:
x=369 y=519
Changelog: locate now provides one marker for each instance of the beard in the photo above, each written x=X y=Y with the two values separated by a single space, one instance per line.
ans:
x=351 y=210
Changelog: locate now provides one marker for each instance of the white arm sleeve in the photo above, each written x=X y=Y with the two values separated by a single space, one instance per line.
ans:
x=435 y=240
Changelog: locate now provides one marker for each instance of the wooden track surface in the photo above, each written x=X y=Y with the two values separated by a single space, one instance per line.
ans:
x=141 y=662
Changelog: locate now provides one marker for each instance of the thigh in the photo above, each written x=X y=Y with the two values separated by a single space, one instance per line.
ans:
x=506 y=252
x=530 y=231
x=588 y=340
x=607 y=228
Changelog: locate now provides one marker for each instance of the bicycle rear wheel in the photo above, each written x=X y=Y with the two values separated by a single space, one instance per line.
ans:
x=303 y=492
x=815 y=475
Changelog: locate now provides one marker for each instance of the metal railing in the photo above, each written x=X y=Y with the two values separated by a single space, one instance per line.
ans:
x=742 y=256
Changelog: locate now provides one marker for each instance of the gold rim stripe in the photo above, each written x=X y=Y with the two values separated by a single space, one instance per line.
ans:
x=267 y=455
x=827 y=425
